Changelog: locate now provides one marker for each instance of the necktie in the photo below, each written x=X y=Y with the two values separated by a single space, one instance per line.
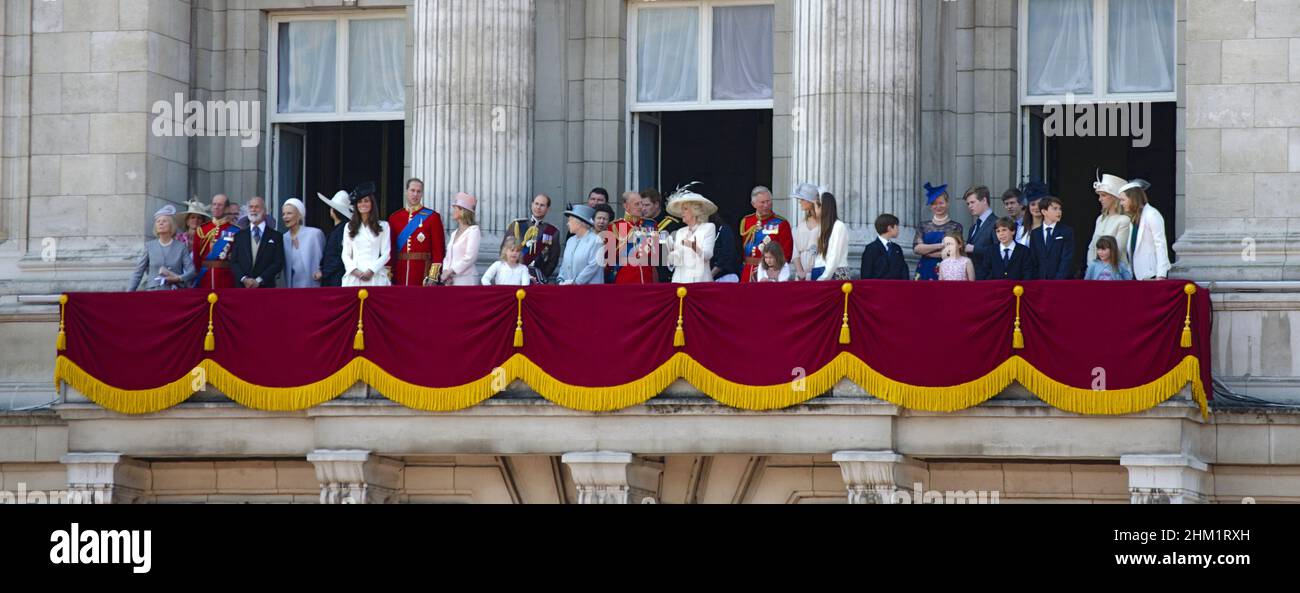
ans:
x=974 y=230
x=1006 y=255
x=257 y=240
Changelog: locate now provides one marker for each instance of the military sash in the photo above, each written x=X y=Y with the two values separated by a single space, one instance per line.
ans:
x=412 y=225
x=224 y=237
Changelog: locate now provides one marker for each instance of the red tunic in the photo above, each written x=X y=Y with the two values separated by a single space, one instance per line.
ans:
x=753 y=234
x=426 y=246
x=636 y=251
x=218 y=273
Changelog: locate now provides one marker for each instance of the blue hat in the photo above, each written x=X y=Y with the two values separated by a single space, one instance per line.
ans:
x=1035 y=190
x=932 y=193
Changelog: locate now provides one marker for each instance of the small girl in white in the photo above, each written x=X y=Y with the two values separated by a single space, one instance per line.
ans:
x=774 y=267
x=508 y=271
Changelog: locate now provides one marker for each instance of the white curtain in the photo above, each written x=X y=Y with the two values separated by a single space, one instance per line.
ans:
x=306 y=63
x=376 y=61
x=1141 y=56
x=667 y=55
x=742 y=53
x=1060 y=47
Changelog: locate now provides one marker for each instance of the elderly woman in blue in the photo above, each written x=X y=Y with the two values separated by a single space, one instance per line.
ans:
x=928 y=243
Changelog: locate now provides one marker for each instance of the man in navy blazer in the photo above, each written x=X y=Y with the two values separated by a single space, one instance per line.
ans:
x=979 y=244
x=1009 y=260
x=883 y=259
x=1053 y=244
x=259 y=250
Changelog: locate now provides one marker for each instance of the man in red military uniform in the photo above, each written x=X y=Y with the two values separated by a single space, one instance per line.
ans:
x=636 y=247
x=213 y=244
x=760 y=228
x=418 y=240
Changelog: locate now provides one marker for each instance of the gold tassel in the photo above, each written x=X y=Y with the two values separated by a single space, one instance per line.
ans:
x=61 y=342
x=1018 y=338
x=359 y=341
x=210 y=341
x=519 y=318
x=844 y=329
x=679 y=336
x=1186 y=342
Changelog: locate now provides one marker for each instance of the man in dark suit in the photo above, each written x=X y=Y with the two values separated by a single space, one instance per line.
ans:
x=1053 y=244
x=883 y=259
x=980 y=242
x=259 y=250
x=1009 y=260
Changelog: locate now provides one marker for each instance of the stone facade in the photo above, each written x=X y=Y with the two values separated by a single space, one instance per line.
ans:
x=870 y=99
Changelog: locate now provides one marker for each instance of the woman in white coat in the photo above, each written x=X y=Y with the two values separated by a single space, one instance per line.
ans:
x=365 y=245
x=832 y=261
x=691 y=249
x=1113 y=221
x=462 y=252
x=1148 y=248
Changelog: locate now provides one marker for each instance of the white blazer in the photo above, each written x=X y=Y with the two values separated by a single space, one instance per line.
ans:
x=462 y=253
x=1150 y=256
x=691 y=267
x=837 y=252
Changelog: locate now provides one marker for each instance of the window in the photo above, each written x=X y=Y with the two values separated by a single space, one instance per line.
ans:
x=338 y=67
x=701 y=55
x=1099 y=50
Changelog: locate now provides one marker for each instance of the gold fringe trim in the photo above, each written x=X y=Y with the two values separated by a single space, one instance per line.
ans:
x=606 y=399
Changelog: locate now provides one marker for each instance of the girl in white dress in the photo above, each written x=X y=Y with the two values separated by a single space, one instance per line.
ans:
x=365 y=246
x=462 y=251
x=508 y=271
x=692 y=246
x=774 y=268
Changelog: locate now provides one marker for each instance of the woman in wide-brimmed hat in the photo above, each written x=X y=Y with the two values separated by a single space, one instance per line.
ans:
x=188 y=222
x=462 y=251
x=691 y=247
x=1112 y=222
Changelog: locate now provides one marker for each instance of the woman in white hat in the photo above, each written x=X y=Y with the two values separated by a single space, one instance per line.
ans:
x=303 y=247
x=366 y=243
x=1146 y=240
x=163 y=256
x=807 y=231
x=462 y=252
x=331 y=261
x=189 y=221
x=691 y=247
x=1112 y=221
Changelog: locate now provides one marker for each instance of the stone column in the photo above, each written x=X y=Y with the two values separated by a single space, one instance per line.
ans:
x=473 y=81
x=105 y=478
x=1167 y=479
x=356 y=477
x=874 y=477
x=607 y=477
x=855 y=105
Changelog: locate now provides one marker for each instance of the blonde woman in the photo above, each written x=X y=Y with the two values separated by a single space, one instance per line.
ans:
x=806 y=232
x=462 y=252
x=1112 y=222
x=1147 y=245
x=164 y=257
x=509 y=270
x=692 y=246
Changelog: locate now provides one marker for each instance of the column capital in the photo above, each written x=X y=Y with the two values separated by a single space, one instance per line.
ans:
x=1174 y=478
x=356 y=477
x=873 y=477
x=612 y=477
x=106 y=478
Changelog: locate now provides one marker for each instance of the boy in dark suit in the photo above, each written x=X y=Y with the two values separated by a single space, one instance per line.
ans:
x=259 y=250
x=1009 y=260
x=1053 y=244
x=883 y=259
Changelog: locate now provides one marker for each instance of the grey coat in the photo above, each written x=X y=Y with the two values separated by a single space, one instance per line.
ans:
x=176 y=256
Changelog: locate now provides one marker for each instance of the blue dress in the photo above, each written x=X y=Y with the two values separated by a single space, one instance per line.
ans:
x=932 y=234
